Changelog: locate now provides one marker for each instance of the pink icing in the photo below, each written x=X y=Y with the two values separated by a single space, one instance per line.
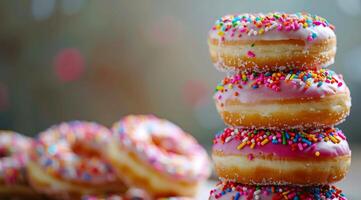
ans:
x=286 y=90
x=55 y=152
x=326 y=150
x=164 y=146
x=330 y=143
x=306 y=27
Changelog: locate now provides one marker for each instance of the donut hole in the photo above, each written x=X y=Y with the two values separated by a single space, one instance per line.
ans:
x=84 y=150
x=166 y=145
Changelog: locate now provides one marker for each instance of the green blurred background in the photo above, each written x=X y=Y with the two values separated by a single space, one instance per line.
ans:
x=100 y=60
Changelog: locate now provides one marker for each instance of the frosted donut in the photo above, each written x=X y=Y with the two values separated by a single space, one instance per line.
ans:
x=282 y=100
x=117 y=197
x=127 y=197
x=105 y=197
x=272 y=41
x=13 y=159
x=175 y=198
x=268 y=157
x=157 y=156
x=67 y=161
x=235 y=191
x=131 y=194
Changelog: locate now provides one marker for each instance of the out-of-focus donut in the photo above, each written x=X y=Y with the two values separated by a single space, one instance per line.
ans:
x=272 y=41
x=67 y=161
x=131 y=194
x=283 y=100
x=14 y=150
x=139 y=194
x=157 y=156
x=270 y=157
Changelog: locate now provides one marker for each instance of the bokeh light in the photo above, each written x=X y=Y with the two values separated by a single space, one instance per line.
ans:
x=69 y=64
x=42 y=9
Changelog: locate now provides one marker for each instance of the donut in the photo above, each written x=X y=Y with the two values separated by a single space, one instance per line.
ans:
x=283 y=100
x=118 y=197
x=106 y=197
x=67 y=161
x=131 y=194
x=269 y=157
x=273 y=41
x=175 y=198
x=157 y=156
x=13 y=159
x=229 y=190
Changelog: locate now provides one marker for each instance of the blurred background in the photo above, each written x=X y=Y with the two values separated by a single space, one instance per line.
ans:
x=100 y=60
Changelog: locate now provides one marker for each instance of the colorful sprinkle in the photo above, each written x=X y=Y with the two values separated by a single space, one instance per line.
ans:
x=176 y=153
x=251 y=54
x=55 y=152
x=300 y=140
x=13 y=157
x=273 y=80
x=236 y=190
x=259 y=24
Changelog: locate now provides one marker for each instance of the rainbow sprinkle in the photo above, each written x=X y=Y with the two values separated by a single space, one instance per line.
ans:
x=177 y=153
x=55 y=152
x=325 y=192
x=251 y=54
x=273 y=80
x=259 y=24
x=13 y=157
x=102 y=197
x=295 y=139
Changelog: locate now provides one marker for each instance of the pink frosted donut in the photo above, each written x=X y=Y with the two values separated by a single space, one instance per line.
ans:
x=68 y=162
x=176 y=198
x=13 y=159
x=157 y=156
x=236 y=191
x=131 y=194
x=283 y=100
x=106 y=197
x=267 y=157
x=272 y=41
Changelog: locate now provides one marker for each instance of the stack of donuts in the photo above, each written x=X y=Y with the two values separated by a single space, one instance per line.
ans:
x=280 y=103
x=141 y=157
